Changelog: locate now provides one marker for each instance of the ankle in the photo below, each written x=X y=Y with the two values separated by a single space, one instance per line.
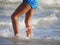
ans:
x=29 y=28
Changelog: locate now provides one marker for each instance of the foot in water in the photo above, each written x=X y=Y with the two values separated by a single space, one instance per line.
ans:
x=29 y=33
x=18 y=36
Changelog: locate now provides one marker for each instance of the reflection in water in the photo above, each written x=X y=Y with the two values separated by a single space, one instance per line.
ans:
x=22 y=42
x=12 y=41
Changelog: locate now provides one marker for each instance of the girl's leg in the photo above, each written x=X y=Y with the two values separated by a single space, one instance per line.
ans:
x=28 y=20
x=23 y=8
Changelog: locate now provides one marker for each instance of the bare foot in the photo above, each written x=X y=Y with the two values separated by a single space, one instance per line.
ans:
x=29 y=33
x=18 y=36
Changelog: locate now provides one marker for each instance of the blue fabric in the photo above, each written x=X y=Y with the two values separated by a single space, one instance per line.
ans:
x=33 y=3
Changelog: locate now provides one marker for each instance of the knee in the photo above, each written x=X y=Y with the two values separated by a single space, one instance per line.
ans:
x=13 y=17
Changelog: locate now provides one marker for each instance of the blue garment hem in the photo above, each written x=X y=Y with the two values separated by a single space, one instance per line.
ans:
x=32 y=4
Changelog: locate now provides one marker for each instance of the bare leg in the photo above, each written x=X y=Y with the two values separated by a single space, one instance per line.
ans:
x=28 y=20
x=23 y=8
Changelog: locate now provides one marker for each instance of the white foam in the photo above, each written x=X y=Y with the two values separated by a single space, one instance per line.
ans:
x=55 y=38
x=9 y=24
x=43 y=22
x=4 y=33
x=5 y=23
x=50 y=18
x=50 y=2
x=11 y=0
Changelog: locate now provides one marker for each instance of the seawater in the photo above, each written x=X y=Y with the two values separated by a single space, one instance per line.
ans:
x=46 y=21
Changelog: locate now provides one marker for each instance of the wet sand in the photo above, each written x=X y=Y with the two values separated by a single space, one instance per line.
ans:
x=13 y=41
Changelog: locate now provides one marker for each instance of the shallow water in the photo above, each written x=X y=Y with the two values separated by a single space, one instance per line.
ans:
x=46 y=26
x=11 y=41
